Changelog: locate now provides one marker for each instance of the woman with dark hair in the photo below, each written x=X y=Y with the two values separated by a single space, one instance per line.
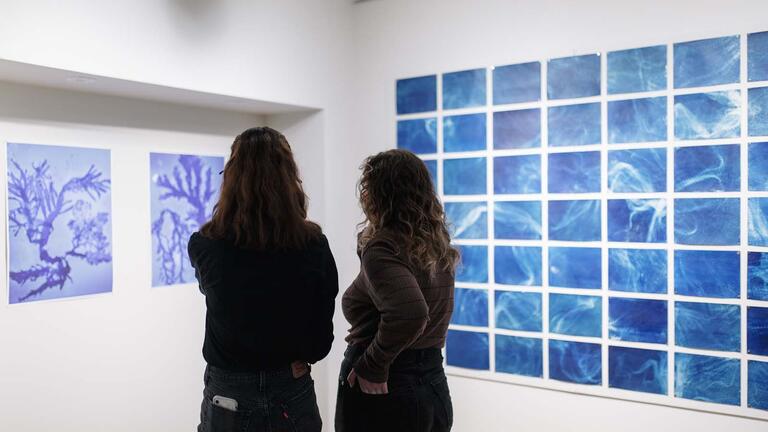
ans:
x=269 y=281
x=399 y=306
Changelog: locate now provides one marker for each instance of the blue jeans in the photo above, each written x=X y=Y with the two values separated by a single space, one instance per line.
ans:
x=268 y=401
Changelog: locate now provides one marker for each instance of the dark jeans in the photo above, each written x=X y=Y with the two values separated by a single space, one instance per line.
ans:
x=269 y=401
x=418 y=398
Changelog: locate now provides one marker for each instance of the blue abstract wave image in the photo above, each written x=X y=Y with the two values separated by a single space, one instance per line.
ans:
x=757 y=276
x=470 y=307
x=574 y=220
x=638 y=170
x=464 y=89
x=707 y=168
x=467 y=220
x=757 y=330
x=708 y=326
x=575 y=362
x=517 y=83
x=707 y=62
x=418 y=136
x=707 y=221
x=517 y=220
x=183 y=192
x=573 y=77
x=518 y=311
x=757 y=46
x=575 y=315
x=758 y=166
x=517 y=174
x=637 y=120
x=519 y=356
x=473 y=266
x=418 y=94
x=637 y=220
x=707 y=273
x=635 y=369
x=574 y=125
x=517 y=129
x=758 y=221
x=517 y=265
x=707 y=378
x=637 y=70
x=637 y=320
x=758 y=111
x=464 y=133
x=637 y=270
x=59 y=222
x=464 y=176
x=467 y=349
x=708 y=115
x=574 y=267
x=757 y=385
x=432 y=168
x=574 y=172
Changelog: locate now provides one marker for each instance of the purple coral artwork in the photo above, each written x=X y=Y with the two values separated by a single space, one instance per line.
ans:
x=59 y=222
x=183 y=192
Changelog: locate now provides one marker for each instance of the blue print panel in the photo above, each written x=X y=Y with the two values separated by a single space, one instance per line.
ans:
x=517 y=83
x=637 y=70
x=757 y=276
x=518 y=311
x=637 y=220
x=757 y=44
x=517 y=220
x=708 y=115
x=464 y=176
x=59 y=222
x=758 y=166
x=417 y=94
x=707 y=168
x=758 y=111
x=574 y=172
x=470 y=307
x=637 y=320
x=577 y=220
x=517 y=174
x=467 y=349
x=572 y=267
x=758 y=221
x=708 y=326
x=757 y=330
x=637 y=270
x=637 y=171
x=517 y=265
x=707 y=221
x=467 y=220
x=473 y=266
x=708 y=378
x=183 y=192
x=757 y=385
x=432 y=168
x=575 y=362
x=464 y=133
x=575 y=315
x=517 y=129
x=637 y=120
x=707 y=62
x=640 y=370
x=464 y=89
x=519 y=356
x=707 y=273
x=418 y=136
x=574 y=125
x=573 y=77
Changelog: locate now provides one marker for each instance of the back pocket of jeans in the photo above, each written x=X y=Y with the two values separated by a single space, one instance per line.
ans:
x=440 y=388
x=224 y=420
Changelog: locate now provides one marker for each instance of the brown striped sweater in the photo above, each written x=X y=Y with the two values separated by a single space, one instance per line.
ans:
x=392 y=308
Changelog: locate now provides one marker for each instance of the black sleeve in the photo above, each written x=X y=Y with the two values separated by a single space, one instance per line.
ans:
x=197 y=257
x=322 y=337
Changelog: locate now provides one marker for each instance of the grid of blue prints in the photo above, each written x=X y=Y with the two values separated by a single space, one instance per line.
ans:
x=611 y=211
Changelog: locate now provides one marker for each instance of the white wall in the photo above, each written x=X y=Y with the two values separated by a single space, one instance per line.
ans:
x=403 y=38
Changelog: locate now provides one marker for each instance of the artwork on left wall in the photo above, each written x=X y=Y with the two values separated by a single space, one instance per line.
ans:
x=184 y=189
x=59 y=222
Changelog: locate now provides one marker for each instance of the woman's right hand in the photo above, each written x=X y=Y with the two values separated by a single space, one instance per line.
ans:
x=366 y=386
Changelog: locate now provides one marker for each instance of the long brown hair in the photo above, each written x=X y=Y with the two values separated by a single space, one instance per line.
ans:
x=262 y=203
x=397 y=195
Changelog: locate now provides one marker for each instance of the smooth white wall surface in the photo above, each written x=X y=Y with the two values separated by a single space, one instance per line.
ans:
x=401 y=38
